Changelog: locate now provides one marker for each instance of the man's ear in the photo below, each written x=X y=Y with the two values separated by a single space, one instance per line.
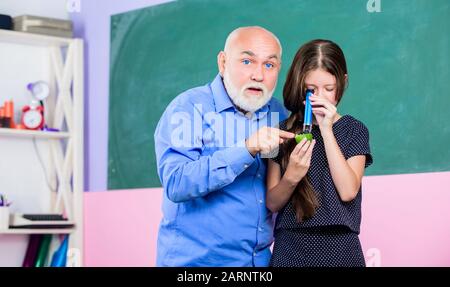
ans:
x=221 y=62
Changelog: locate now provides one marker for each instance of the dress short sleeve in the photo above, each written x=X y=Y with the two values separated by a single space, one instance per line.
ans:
x=359 y=144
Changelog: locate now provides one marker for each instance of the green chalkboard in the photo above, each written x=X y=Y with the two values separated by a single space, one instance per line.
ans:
x=398 y=62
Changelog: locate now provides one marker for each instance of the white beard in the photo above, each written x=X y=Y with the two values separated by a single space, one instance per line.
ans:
x=250 y=103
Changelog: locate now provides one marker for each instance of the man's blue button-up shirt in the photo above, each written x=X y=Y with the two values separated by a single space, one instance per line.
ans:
x=214 y=211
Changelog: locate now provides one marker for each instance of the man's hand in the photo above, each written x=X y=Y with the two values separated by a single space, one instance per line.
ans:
x=266 y=139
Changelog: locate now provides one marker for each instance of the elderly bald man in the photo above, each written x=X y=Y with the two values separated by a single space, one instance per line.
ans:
x=210 y=145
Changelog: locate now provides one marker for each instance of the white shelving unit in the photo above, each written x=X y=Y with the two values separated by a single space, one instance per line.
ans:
x=66 y=147
x=40 y=231
x=5 y=132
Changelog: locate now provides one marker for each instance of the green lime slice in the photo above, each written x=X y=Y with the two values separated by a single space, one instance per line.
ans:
x=299 y=137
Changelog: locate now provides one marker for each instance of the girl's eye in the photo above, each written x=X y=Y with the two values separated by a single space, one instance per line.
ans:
x=329 y=90
x=246 y=62
x=269 y=65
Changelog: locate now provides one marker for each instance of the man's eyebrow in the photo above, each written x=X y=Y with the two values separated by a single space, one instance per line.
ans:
x=250 y=53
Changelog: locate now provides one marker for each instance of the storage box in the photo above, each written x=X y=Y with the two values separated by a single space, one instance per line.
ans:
x=43 y=25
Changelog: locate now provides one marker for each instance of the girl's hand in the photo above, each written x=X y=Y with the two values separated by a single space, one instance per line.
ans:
x=324 y=111
x=299 y=161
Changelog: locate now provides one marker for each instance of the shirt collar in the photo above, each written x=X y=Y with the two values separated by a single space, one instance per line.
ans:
x=223 y=101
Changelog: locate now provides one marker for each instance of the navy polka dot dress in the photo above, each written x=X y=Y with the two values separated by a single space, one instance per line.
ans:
x=330 y=237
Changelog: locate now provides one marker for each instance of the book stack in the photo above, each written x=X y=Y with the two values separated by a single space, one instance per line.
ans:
x=43 y=25
x=38 y=250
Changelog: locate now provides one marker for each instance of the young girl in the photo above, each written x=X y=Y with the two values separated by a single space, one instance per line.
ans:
x=316 y=186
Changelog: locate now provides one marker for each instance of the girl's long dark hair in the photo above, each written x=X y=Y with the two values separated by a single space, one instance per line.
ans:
x=316 y=54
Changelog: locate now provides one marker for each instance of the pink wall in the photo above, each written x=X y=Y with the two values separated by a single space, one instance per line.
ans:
x=406 y=218
x=405 y=223
x=121 y=227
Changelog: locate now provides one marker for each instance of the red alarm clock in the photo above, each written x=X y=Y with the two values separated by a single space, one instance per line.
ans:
x=33 y=116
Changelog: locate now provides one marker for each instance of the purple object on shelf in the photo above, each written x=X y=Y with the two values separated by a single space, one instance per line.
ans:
x=32 y=250
x=47 y=129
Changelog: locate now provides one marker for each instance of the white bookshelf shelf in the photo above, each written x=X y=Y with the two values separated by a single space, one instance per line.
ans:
x=5 y=132
x=37 y=231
